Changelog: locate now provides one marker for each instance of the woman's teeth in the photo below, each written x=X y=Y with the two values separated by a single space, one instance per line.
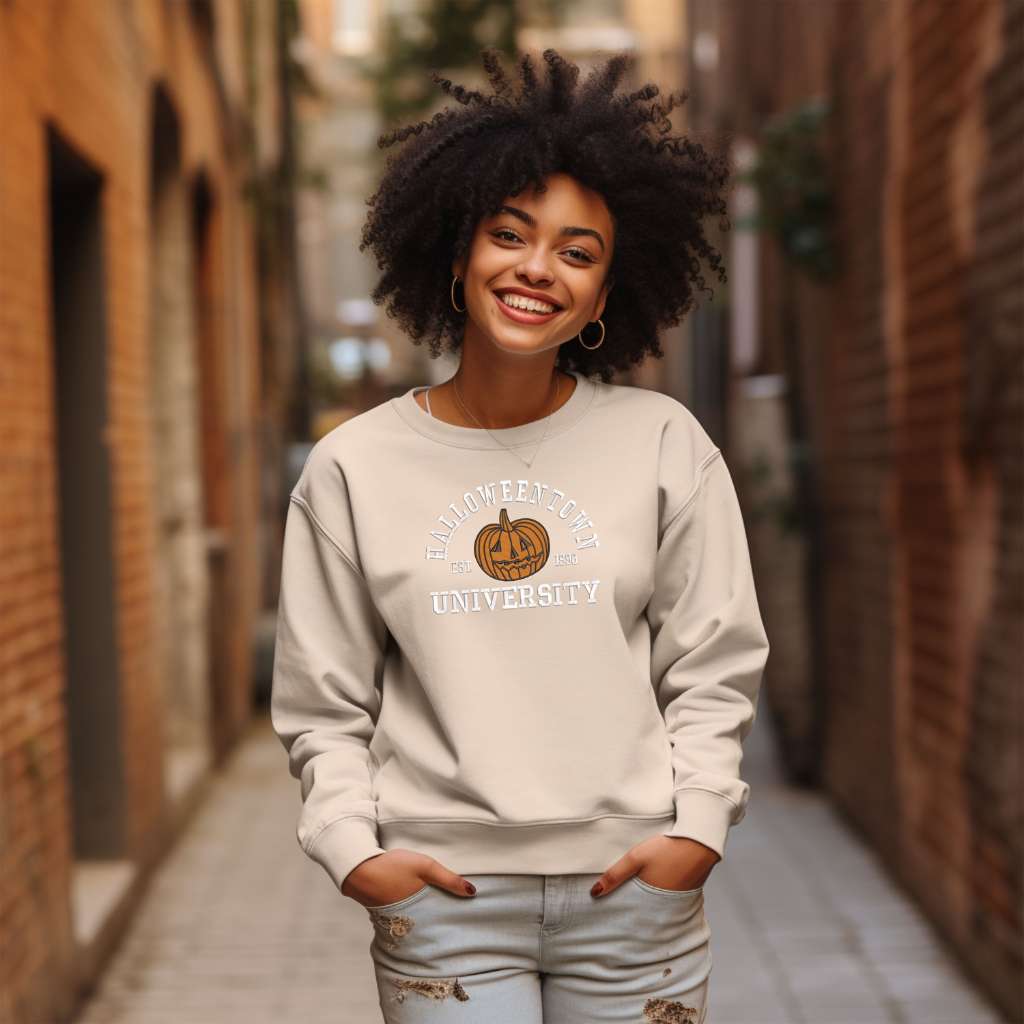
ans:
x=522 y=302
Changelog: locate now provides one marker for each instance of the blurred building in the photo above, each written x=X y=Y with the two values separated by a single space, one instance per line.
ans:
x=357 y=357
x=148 y=347
x=879 y=413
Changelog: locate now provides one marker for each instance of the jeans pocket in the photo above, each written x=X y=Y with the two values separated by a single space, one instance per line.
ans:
x=668 y=893
x=403 y=902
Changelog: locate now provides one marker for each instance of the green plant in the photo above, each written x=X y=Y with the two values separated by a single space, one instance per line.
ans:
x=446 y=34
x=795 y=189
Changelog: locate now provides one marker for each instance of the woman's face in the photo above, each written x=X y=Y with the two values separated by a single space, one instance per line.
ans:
x=557 y=245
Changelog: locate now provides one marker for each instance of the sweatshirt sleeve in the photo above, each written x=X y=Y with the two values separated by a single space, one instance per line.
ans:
x=709 y=649
x=325 y=691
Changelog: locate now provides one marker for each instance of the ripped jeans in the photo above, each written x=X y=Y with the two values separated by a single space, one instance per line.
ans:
x=539 y=949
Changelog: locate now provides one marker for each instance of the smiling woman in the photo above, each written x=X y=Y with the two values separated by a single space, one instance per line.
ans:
x=565 y=193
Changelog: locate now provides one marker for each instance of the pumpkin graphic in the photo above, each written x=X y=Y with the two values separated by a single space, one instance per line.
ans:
x=512 y=549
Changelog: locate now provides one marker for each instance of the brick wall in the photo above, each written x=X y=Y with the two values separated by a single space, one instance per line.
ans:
x=88 y=70
x=919 y=425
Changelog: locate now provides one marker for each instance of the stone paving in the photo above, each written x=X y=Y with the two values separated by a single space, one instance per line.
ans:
x=239 y=927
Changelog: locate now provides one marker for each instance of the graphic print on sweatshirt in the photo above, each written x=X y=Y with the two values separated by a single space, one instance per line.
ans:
x=509 y=532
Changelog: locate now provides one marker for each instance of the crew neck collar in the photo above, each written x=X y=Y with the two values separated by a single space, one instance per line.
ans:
x=568 y=413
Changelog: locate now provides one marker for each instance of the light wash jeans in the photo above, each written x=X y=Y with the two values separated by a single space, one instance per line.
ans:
x=539 y=949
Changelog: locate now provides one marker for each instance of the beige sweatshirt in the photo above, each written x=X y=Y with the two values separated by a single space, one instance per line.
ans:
x=516 y=669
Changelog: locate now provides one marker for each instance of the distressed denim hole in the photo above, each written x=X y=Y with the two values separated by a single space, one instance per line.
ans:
x=430 y=988
x=668 y=1011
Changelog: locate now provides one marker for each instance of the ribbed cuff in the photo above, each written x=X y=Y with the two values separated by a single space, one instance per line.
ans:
x=344 y=845
x=704 y=816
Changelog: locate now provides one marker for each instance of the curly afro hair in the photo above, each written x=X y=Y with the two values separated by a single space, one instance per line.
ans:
x=461 y=165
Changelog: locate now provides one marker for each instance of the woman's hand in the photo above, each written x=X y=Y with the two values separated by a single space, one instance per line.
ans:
x=669 y=862
x=391 y=876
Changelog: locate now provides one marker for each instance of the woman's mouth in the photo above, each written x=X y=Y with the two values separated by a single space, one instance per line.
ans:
x=524 y=316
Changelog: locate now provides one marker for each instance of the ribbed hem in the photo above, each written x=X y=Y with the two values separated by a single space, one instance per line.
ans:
x=564 y=847
x=344 y=845
x=704 y=816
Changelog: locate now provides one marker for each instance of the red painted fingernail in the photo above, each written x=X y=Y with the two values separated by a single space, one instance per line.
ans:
x=597 y=889
x=471 y=888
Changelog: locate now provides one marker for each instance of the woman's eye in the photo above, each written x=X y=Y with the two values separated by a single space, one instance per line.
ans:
x=505 y=231
x=583 y=254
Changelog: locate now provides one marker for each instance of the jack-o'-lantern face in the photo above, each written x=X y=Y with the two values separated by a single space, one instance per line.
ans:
x=512 y=549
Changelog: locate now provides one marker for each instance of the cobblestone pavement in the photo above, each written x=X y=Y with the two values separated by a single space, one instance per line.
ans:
x=239 y=927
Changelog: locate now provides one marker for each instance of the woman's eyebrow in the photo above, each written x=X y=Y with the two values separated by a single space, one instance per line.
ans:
x=527 y=219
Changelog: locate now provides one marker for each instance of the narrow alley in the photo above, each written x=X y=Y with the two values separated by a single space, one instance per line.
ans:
x=240 y=927
x=230 y=228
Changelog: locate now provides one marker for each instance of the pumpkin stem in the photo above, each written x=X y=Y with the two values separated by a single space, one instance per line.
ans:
x=506 y=525
x=503 y=527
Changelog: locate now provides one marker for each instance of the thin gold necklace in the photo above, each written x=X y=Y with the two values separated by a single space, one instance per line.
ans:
x=547 y=423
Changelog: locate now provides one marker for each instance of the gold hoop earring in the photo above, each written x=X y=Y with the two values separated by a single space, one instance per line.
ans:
x=592 y=347
x=457 y=310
